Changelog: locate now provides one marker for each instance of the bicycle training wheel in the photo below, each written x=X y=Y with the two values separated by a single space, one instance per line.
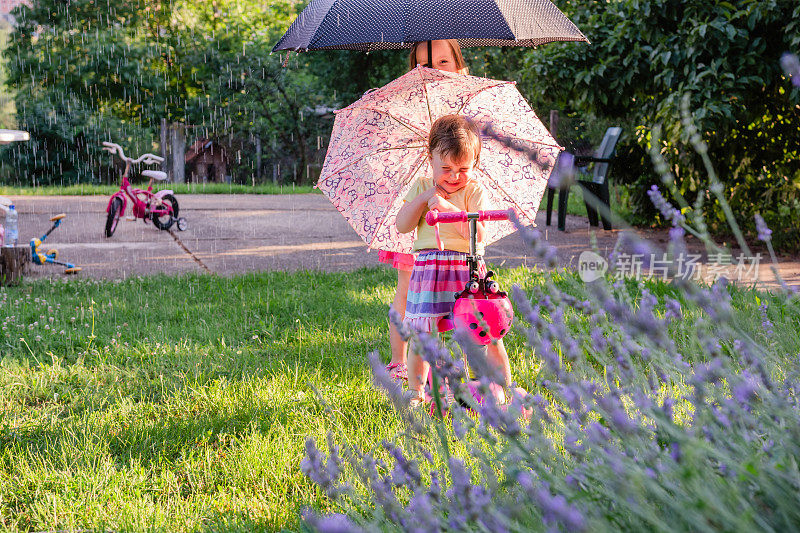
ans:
x=166 y=220
x=114 y=213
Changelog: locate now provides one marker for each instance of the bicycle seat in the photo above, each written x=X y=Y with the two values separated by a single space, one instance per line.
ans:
x=155 y=174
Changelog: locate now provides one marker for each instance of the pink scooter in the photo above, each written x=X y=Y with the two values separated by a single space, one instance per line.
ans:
x=161 y=207
x=482 y=310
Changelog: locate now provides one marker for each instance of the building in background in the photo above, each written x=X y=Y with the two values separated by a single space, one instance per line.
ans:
x=206 y=161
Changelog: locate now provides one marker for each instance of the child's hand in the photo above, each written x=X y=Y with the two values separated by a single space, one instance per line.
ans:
x=432 y=193
x=440 y=204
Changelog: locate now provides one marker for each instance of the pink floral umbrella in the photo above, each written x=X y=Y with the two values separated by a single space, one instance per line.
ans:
x=378 y=149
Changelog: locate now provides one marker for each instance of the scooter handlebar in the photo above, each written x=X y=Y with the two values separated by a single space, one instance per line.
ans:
x=433 y=217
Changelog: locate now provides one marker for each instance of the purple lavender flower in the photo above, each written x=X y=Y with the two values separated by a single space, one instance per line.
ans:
x=721 y=417
x=791 y=66
x=745 y=390
x=666 y=209
x=676 y=234
x=332 y=523
x=323 y=473
x=622 y=421
x=435 y=488
x=675 y=452
x=383 y=380
x=541 y=408
x=764 y=233
x=572 y=396
x=599 y=342
x=563 y=172
x=555 y=509
x=460 y=427
x=405 y=472
x=469 y=503
x=673 y=311
x=766 y=324
x=666 y=407
x=425 y=516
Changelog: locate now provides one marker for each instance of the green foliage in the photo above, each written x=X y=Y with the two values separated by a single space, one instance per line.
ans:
x=84 y=74
x=350 y=73
x=645 y=54
x=7 y=120
x=81 y=76
x=253 y=96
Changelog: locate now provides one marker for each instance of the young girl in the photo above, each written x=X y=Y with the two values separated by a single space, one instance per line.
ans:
x=453 y=148
x=446 y=56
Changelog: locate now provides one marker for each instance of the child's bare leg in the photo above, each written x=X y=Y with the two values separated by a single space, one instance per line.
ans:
x=417 y=373
x=498 y=358
x=398 y=345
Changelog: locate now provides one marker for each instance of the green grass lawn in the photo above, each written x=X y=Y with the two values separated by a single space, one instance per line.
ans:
x=183 y=403
x=179 y=188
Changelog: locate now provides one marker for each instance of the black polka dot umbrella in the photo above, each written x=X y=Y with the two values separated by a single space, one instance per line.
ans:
x=393 y=24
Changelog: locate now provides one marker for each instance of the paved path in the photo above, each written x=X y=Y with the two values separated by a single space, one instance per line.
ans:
x=232 y=234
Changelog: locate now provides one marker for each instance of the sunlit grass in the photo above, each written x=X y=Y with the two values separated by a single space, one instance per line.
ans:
x=183 y=403
x=179 y=188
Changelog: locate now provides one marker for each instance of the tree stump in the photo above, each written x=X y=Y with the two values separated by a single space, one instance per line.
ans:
x=13 y=261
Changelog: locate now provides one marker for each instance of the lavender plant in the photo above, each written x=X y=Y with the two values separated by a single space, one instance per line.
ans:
x=654 y=407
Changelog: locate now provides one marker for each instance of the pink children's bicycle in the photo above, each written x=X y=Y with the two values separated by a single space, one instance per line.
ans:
x=160 y=207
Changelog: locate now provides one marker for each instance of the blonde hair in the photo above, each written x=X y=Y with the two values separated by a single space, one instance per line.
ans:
x=455 y=136
x=461 y=65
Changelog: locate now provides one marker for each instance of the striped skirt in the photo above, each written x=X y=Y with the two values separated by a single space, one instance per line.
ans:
x=436 y=277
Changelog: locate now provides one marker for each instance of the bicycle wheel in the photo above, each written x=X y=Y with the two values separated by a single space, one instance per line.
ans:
x=114 y=213
x=166 y=220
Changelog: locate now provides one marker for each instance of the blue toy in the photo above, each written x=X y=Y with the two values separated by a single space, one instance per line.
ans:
x=50 y=257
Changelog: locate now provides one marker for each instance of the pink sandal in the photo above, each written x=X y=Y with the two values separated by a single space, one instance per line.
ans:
x=397 y=371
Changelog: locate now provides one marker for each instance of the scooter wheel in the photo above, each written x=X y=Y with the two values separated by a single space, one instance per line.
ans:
x=182 y=224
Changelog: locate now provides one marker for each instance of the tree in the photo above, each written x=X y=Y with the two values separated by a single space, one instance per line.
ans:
x=84 y=74
x=81 y=76
x=245 y=93
x=645 y=54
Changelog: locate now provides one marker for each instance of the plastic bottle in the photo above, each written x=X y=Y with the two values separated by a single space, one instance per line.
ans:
x=12 y=230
